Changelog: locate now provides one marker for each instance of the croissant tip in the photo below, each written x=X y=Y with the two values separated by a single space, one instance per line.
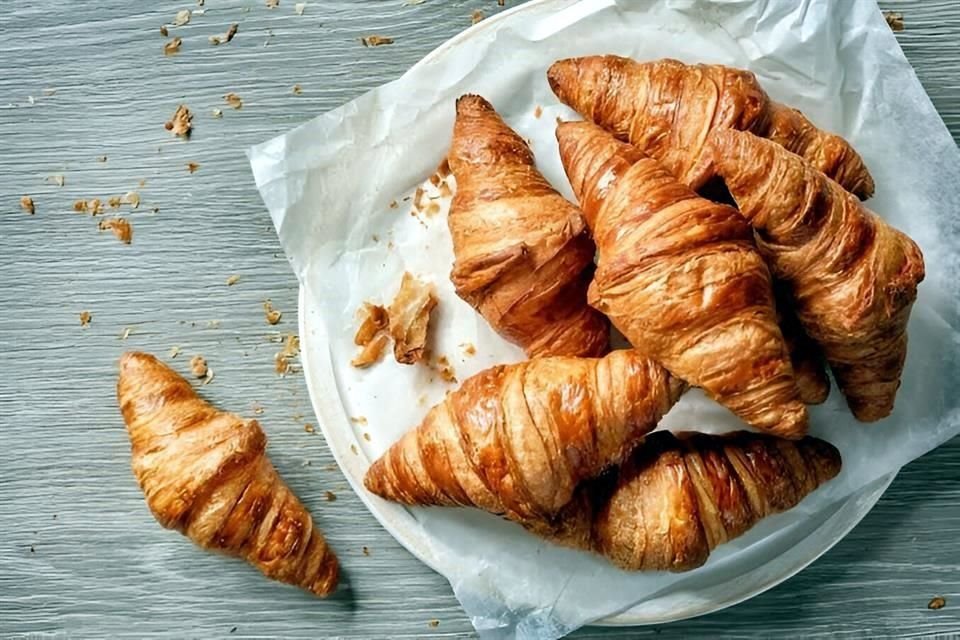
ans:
x=473 y=103
x=559 y=74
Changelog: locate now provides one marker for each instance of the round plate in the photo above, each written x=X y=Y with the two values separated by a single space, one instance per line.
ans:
x=758 y=571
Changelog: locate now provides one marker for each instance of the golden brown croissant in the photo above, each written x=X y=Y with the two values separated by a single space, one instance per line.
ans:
x=668 y=109
x=205 y=473
x=679 y=276
x=853 y=277
x=522 y=252
x=517 y=439
x=677 y=498
x=806 y=356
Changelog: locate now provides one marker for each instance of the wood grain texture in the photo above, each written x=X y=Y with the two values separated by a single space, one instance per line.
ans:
x=80 y=554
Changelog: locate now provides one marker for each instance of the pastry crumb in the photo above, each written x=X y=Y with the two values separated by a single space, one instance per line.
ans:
x=26 y=203
x=366 y=551
x=114 y=202
x=233 y=100
x=198 y=366
x=330 y=496
x=299 y=8
x=125 y=333
x=394 y=204
x=192 y=167
x=291 y=349
x=476 y=16
x=500 y=3
x=217 y=113
x=273 y=4
x=57 y=180
x=121 y=228
x=94 y=206
x=232 y=280
x=308 y=428
x=538 y=112
x=409 y=315
x=432 y=209
x=938 y=602
x=371 y=352
x=174 y=352
x=163 y=31
x=375 y=40
x=353 y=449
x=258 y=409
x=358 y=419
x=366 y=436
x=272 y=315
x=436 y=623
x=894 y=20
x=180 y=124
x=468 y=349
x=297 y=89
x=172 y=47
x=182 y=18
x=227 y=37
x=131 y=198
x=85 y=318
x=374 y=321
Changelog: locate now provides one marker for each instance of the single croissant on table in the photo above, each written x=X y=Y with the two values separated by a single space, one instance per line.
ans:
x=516 y=440
x=668 y=109
x=677 y=498
x=206 y=474
x=522 y=252
x=853 y=278
x=680 y=277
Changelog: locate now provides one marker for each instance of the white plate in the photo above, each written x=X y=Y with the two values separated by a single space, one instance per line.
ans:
x=759 y=570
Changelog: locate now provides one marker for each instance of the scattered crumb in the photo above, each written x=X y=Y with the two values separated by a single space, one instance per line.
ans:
x=353 y=449
x=468 y=349
x=85 y=318
x=476 y=16
x=330 y=467
x=273 y=315
x=371 y=352
x=163 y=31
x=174 y=352
x=299 y=8
x=538 y=112
x=233 y=100
x=121 y=228
x=409 y=315
x=227 y=37
x=182 y=18
x=125 y=333
x=445 y=370
x=374 y=321
x=180 y=124
x=172 y=47
x=937 y=603
x=375 y=238
x=375 y=41
x=894 y=20
x=309 y=428
x=232 y=280
x=432 y=209
x=198 y=366
x=26 y=203
x=330 y=496
x=207 y=379
x=131 y=198
x=57 y=180
x=297 y=89
x=94 y=206
x=258 y=409
x=217 y=113
x=358 y=419
x=422 y=400
x=101 y=158
x=273 y=4
x=436 y=623
x=291 y=348
x=366 y=551
x=192 y=167
x=142 y=183
x=417 y=197
x=114 y=202
x=500 y=3
x=394 y=204
x=366 y=436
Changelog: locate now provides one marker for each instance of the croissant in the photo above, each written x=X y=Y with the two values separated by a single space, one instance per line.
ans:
x=806 y=356
x=853 y=277
x=517 y=439
x=668 y=109
x=205 y=473
x=677 y=498
x=679 y=276
x=522 y=253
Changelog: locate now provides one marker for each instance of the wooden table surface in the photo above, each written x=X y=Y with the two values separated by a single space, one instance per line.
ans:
x=84 y=92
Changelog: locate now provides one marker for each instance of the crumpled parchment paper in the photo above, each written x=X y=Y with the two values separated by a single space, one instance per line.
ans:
x=330 y=183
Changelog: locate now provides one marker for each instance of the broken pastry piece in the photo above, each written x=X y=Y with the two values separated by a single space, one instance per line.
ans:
x=678 y=497
x=852 y=277
x=516 y=440
x=205 y=473
x=372 y=335
x=668 y=109
x=409 y=318
x=522 y=253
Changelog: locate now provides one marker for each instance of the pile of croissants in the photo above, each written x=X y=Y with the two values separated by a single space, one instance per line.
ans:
x=720 y=232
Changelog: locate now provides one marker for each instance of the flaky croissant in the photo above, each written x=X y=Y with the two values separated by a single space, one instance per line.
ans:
x=680 y=277
x=806 y=356
x=668 y=109
x=205 y=473
x=852 y=276
x=517 y=439
x=522 y=253
x=677 y=498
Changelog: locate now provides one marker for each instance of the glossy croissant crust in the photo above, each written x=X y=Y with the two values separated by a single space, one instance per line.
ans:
x=668 y=109
x=680 y=277
x=206 y=474
x=678 y=497
x=852 y=277
x=517 y=439
x=522 y=252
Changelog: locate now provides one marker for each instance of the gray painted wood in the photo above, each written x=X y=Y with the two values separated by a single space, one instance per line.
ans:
x=80 y=554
